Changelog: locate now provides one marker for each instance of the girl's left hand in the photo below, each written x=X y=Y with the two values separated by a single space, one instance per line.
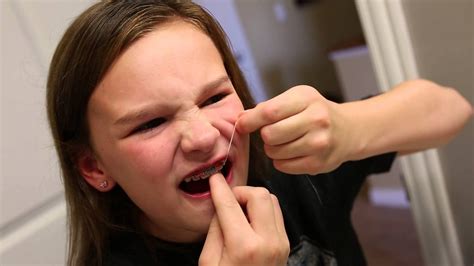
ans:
x=302 y=131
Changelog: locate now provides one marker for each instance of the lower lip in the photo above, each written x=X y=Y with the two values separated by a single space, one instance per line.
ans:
x=207 y=194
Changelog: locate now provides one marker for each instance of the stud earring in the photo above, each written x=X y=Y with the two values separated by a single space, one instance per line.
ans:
x=103 y=184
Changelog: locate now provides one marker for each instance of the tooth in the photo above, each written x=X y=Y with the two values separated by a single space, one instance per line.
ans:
x=187 y=179
x=195 y=178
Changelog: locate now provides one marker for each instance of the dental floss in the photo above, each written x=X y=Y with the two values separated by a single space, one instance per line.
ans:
x=315 y=189
x=227 y=156
x=230 y=143
x=214 y=169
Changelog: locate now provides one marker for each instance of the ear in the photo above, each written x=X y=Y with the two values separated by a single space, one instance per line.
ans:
x=93 y=173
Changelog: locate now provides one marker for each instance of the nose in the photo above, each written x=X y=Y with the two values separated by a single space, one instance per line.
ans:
x=199 y=136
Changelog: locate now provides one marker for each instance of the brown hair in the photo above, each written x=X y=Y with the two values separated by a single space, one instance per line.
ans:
x=88 y=48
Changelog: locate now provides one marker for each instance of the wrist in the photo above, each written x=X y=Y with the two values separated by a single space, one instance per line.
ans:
x=356 y=131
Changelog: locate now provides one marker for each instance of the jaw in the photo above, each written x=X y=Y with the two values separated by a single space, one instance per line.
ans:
x=186 y=229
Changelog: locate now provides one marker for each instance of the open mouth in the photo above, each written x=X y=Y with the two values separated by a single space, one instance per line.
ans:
x=199 y=183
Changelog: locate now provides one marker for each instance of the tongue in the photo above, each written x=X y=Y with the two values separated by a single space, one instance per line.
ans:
x=195 y=187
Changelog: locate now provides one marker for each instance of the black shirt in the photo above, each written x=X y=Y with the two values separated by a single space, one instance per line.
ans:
x=316 y=210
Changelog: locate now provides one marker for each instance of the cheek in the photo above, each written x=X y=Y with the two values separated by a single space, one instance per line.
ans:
x=236 y=105
x=149 y=160
x=230 y=110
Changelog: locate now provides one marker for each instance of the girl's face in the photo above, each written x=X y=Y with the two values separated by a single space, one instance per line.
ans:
x=163 y=114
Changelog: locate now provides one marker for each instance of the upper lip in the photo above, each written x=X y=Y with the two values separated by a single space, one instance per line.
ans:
x=205 y=166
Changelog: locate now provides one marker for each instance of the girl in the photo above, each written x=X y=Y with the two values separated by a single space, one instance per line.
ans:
x=143 y=98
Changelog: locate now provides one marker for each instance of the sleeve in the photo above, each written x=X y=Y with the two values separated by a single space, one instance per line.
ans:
x=378 y=164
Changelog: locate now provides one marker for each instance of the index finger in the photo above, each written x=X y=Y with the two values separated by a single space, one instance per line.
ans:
x=231 y=217
x=269 y=112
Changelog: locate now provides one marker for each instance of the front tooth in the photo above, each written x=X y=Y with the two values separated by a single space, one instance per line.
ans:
x=195 y=178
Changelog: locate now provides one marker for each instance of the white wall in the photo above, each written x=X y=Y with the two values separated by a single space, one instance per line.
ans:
x=32 y=217
x=442 y=32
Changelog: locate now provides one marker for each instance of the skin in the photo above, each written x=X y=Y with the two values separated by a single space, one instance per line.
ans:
x=175 y=73
x=163 y=75
x=304 y=133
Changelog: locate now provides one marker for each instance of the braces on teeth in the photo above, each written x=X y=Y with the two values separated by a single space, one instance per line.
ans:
x=206 y=173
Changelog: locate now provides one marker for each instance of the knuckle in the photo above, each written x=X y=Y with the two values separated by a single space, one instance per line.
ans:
x=273 y=252
x=270 y=112
x=268 y=150
x=304 y=88
x=315 y=143
x=320 y=119
x=249 y=251
x=319 y=115
x=325 y=122
x=273 y=152
x=285 y=248
x=266 y=134
x=261 y=193
x=274 y=198
x=278 y=251
x=322 y=142
x=308 y=92
x=281 y=166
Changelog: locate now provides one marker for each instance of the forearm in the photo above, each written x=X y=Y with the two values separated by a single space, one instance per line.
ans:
x=413 y=116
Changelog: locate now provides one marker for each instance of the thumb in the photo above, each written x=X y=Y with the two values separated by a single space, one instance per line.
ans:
x=212 y=251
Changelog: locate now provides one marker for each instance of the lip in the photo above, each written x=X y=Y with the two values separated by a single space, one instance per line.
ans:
x=207 y=194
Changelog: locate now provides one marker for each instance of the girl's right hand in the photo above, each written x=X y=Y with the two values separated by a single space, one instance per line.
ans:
x=234 y=238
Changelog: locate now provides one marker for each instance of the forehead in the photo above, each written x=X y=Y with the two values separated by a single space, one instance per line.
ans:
x=171 y=61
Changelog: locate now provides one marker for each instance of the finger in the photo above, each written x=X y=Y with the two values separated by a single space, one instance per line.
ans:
x=279 y=221
x=260 y=210
x=280 y=225
x=301 y=165
x=232 y=220
x=212 y=251
x=271 y=111
x=313 y=143
x=286 y=130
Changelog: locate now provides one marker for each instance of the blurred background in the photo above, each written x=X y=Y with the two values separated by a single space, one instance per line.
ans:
x=418 y=214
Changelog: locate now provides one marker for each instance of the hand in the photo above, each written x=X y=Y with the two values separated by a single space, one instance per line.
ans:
x=301 y=130
x=236 y=239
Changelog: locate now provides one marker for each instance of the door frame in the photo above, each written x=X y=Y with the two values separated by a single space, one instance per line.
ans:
x=386 y=31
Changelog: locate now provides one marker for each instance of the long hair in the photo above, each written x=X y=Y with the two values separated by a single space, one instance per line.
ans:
x=86 y=51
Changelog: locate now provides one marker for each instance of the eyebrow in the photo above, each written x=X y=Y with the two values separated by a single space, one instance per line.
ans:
x=145 y=112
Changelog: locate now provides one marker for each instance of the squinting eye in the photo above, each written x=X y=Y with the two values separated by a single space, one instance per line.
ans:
x=214 y=99
x=149 y=125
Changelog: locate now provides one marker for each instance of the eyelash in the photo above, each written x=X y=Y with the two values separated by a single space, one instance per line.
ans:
x=214 y=99
x=149 y=125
